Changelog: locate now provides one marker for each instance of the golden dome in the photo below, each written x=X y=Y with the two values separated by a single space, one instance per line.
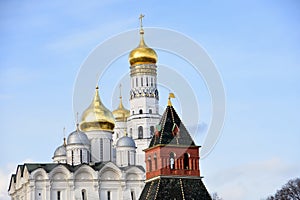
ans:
x=121 y=113
x=142 y=54
x=97 y=116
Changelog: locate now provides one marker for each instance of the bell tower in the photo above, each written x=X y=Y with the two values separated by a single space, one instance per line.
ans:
x=144 y=110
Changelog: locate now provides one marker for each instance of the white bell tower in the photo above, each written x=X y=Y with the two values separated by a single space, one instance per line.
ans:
x=144 y=109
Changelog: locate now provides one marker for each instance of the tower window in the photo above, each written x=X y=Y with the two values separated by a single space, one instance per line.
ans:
x=136 y=82
x=172 y=160
x=130 y=132
x=72 y=157
x=58 y=195
x=141 y=111
x=140 y=132
x=142 y=81
x=83 y=194
x=146 y=81
x=150 y=111
x=108 y=195
x=150 y=164
x=80 y=155
x=133 y=112
x=151 y=81
x=151 y=130
x=186 y=161
x=132 y=195
x=101 y=149
x=155 y=161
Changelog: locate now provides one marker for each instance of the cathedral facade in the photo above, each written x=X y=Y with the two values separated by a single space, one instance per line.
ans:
x=104 y=157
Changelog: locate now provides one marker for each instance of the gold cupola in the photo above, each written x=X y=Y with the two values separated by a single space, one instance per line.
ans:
x=97 y=116
x=121 y=114
x=142 y=54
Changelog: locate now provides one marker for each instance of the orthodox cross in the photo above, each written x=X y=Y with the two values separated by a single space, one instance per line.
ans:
x=141 y=20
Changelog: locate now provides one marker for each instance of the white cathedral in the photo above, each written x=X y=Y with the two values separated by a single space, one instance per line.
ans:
x=103 y=158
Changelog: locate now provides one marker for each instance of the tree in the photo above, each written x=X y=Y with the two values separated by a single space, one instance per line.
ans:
x=290 y=191
x=215 y=196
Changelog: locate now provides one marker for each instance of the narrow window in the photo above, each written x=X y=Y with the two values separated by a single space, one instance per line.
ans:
x=141 y=111
x=72 y=157
x=80 y=155
x=58 y=195
x=108 y=195
x=146 y=81
x=151 y=130
x=150 y=111
x=136 y=82
x=133 y=112
x=88 y=156
x=140 y=132
x=101 y=149
x=142 y=81
x=128 y=155
x=151 y=81
x=83 y=194
x=132 y=83
x=132 y=195
x=172 y=160
x=155 y=161
x=150 y=164
x=186 y=161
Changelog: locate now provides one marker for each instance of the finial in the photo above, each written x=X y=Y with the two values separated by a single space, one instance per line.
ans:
x=64 y=132
x=171 y=95
x=141 y=23
x=120 y=87
x=77 y=121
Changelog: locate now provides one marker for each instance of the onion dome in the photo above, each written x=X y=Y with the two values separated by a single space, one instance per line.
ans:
x=125 y=141
x=142 y=54
x=60 y=151
x=78 y=137
x=97 y=116
x=121 y=114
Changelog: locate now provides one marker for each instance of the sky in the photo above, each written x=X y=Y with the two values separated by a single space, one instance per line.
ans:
x=253 y=44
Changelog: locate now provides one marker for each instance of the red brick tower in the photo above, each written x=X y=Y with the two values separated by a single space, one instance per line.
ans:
x=172 y=162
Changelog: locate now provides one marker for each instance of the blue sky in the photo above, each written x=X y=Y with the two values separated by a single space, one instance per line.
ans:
x=254 y=44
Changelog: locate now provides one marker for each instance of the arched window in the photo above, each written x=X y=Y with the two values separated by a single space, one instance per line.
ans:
x=151 y=130
x=149 y=164
x=140 y=132
x=83 y=194
x=172 y=160
x=141 y=111
x=130 y=132
x=155 y=161
x=142 y=81
x=146 y=81
x=150 y=111
x=80 y=155
x=136 y=82
x=133 y=112
x=151 y=81
x=186 y=161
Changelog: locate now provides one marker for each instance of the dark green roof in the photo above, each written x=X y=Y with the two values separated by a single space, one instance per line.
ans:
x=175 y=188
x=164 y=134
